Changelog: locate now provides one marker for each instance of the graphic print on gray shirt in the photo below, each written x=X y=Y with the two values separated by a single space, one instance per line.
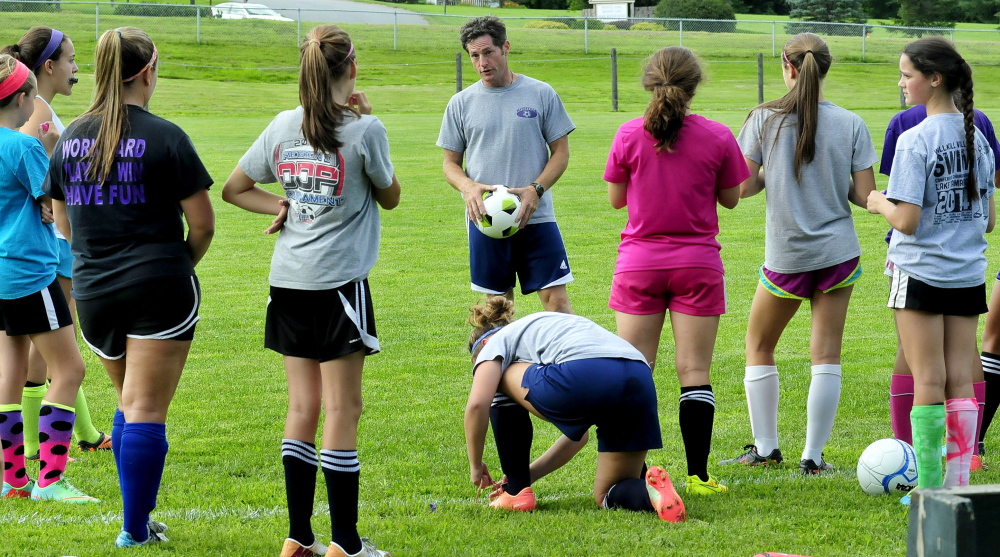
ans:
x=331 y=235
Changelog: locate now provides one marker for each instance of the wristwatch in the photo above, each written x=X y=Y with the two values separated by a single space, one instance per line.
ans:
x=539 y=190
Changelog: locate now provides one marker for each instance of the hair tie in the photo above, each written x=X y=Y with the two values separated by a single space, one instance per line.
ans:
x=15 y=80
x=54 y=41
x=346 y=58
x=668 y=84
x=312 y=40
x=119 y=31
x=152 y=60
x=810 y=52
x=483 y=337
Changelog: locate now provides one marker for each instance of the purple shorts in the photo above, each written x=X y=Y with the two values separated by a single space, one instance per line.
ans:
x=800 y=286
x=691 y=291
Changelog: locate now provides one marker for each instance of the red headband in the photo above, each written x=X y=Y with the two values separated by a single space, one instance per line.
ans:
x=14 y=81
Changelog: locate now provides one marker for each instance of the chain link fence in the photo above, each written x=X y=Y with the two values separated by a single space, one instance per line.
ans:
x=433 y=36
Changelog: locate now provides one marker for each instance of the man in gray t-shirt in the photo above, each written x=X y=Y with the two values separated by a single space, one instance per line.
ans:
x=509 y=130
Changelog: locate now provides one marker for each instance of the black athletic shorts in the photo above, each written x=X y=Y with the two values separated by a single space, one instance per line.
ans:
x=160 y=309
x=321 y=325
x=41 y=312
x=906 y=292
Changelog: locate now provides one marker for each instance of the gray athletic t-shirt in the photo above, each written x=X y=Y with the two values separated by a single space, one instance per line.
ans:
x=809 y=224
x=929 y=169
x=554 y=338
x=505 y=132
x=331 y=235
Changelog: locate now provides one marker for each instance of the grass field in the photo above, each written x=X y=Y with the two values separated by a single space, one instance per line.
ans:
x=223 y=488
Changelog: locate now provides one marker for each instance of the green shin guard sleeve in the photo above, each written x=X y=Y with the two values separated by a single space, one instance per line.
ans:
x=84 y=428
x=31 y=403
x=928 y=433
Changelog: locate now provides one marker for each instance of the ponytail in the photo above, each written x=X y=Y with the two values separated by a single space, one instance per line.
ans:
x=121 y=55
x=672 y=75
x=810 y=56
x=326 y=56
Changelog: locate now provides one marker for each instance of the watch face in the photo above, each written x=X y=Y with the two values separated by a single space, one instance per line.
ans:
x=539 y=190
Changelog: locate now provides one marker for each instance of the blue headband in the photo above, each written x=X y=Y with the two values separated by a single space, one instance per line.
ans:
x=483 y=337
x=54 y=41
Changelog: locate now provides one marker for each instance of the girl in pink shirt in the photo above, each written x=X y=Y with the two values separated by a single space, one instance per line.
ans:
x=670 y=168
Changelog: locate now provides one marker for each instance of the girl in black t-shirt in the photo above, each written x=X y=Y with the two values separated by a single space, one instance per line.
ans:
x=124 y=178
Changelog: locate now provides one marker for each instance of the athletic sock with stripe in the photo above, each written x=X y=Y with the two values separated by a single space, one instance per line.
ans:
x=696 y=414
x=301 y=464
x=342 y=471
x=991 y=372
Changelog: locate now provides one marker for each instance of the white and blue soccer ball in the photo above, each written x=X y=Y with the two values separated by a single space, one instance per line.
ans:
x=502 y=210
x=887 y=466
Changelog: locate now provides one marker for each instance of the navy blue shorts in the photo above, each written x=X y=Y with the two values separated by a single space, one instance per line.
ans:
x=535 y=255
x=616 y=395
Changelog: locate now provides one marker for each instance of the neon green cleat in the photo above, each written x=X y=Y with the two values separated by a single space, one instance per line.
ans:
x=697 y=487
x=63 y=492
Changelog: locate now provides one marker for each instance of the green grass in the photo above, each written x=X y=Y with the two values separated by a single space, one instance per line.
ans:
x=223 y=492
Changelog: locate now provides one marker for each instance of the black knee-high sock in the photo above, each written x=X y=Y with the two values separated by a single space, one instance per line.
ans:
x=512 y=431
x=301 y=464
x=630 y=494
x=343 y=472
x=991 y=369
x=697 y=416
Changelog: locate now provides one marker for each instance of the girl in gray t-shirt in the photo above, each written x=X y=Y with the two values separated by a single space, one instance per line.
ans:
x=332 y=160
x=940 y=200
x=814 y=157
x=569 y=371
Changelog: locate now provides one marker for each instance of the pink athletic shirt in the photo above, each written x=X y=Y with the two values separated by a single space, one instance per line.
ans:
x=671 y=197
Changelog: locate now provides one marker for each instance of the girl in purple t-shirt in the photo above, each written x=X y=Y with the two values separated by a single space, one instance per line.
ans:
x=670 y=168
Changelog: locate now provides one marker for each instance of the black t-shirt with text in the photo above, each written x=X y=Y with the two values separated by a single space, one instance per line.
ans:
x=129 y=229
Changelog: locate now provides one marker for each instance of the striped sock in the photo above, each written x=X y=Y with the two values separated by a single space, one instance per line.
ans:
x=343 y=472
x=55 y=431
x=696 y=414
x=31 y=402
x=991 y=372
x=143 y=452
x=300 y=463
x=12 y=440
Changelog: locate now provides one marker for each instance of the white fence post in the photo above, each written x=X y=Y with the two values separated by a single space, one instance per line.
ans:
x=774 y=39
x=395 y=30
x=680 y=35
x=97 y=21
x=864 y=41
x=586 y=37
x=197 y=17
x=298 y=28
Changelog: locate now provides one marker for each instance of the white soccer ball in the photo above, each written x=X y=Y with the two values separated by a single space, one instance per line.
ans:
x=502 y=210
x=887 y=466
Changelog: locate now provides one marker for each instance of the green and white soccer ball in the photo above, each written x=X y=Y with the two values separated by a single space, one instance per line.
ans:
x=502 y=210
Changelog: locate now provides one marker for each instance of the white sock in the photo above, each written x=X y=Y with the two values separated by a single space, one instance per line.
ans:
x=824 y=395
x=761 y=383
